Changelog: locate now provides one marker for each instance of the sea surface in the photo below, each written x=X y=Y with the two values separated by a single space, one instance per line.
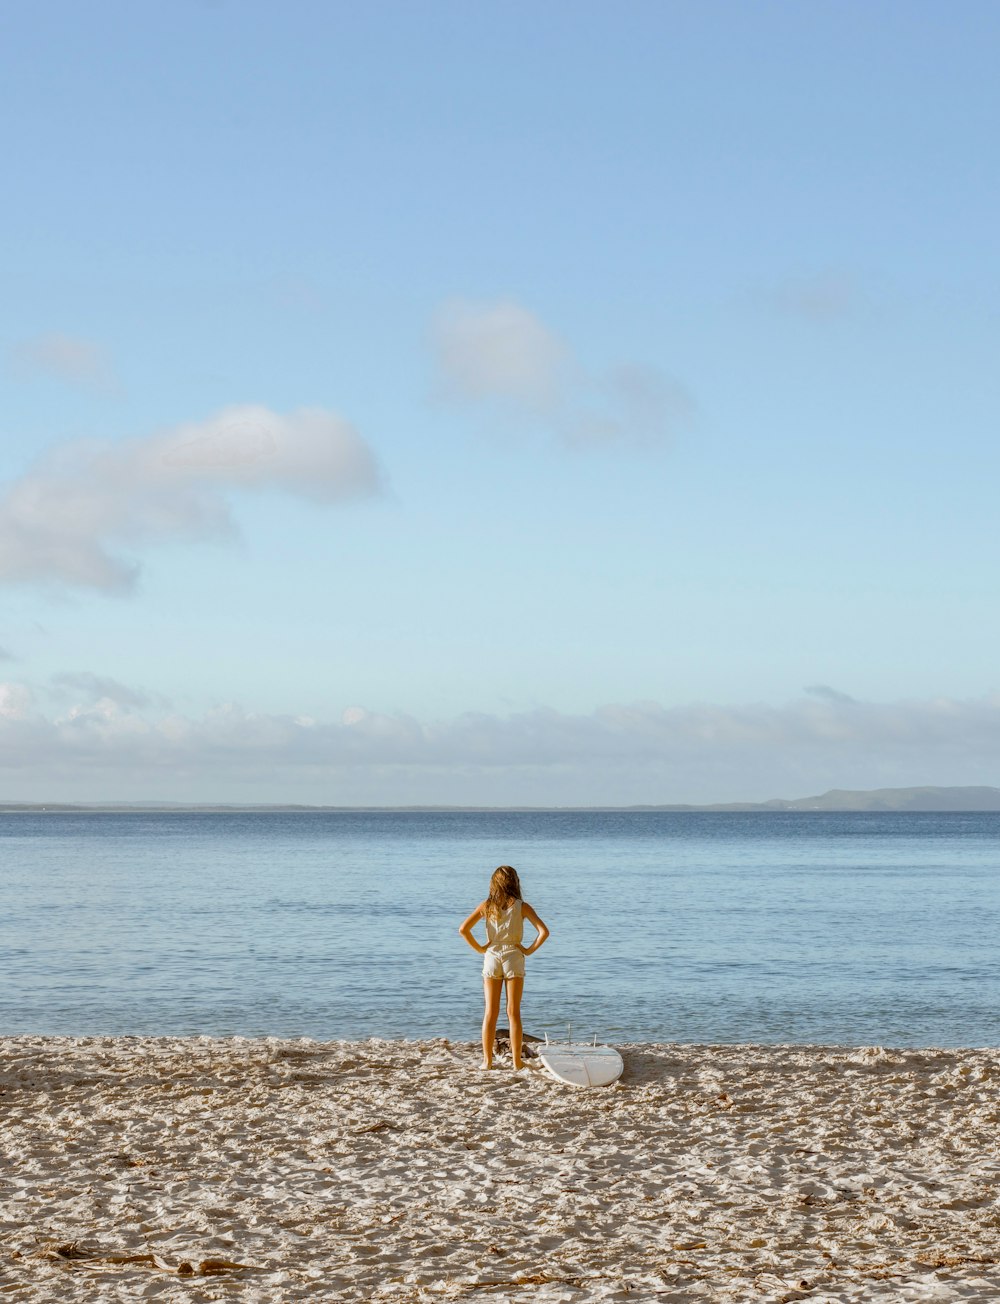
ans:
x=867 y=929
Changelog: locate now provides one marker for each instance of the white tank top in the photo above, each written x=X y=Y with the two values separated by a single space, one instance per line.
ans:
x=505 y=932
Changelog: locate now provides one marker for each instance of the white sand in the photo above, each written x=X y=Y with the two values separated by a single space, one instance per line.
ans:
x=397 y=1171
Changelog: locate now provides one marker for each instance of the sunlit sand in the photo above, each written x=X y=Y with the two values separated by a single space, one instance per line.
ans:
x=231 y=1169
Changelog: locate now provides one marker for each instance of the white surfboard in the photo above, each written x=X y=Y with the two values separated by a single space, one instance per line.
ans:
x=580 y=1064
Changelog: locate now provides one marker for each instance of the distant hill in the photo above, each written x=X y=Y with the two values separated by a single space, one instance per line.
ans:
x=878 y=799
x=935 y=799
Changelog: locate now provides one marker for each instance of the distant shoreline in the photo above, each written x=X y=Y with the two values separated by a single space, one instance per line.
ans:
x=924 y=800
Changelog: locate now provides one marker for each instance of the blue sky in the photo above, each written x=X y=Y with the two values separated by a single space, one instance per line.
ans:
x=498 y=403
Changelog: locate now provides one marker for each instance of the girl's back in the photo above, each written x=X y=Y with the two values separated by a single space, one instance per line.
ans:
x=506 y=929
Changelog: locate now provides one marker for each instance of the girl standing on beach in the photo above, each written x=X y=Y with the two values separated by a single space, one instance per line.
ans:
x=504 y=913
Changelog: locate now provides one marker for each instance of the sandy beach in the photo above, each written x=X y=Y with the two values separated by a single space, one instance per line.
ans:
x=231 y=1169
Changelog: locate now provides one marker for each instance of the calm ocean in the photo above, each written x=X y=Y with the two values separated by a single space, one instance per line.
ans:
x=849 y=929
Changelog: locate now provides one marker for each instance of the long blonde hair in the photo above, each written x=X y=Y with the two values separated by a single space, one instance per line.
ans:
x=505 y=887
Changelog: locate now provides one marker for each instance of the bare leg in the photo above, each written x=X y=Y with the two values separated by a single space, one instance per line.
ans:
x=515 y=986
x=491 y=991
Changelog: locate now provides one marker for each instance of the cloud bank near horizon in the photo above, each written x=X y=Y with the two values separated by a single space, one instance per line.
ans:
x=501 y=355
x=622 y=753
x=76 y=518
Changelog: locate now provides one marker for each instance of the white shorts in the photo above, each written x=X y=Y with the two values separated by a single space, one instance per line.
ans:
x=503 y=964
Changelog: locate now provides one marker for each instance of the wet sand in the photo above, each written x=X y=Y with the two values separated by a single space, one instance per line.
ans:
x=265 y=1170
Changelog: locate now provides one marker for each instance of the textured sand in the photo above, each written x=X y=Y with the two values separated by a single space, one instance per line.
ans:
x=138 y=1168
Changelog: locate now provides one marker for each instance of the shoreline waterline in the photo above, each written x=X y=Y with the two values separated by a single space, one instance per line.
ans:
x=237 y=1040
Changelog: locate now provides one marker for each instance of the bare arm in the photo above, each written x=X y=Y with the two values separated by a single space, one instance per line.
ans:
x=466 y=928
x=528 y=913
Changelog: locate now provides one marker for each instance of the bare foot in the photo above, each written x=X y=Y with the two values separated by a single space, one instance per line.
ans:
x=486 y=1064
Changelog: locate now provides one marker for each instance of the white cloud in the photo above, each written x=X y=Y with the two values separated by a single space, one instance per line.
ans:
x=95 y=687
x=618 y=754
x=15 y=701
x=501 y=355
x=500 y=351
x=69 y=519
x=67 y=358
